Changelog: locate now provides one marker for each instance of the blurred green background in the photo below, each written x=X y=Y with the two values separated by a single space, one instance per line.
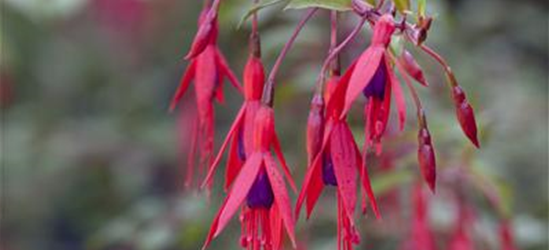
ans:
x=91 y=159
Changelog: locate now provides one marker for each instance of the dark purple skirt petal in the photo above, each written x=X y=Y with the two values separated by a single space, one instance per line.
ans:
x=328 y=174
x=376 y=87
x=240 y=149
x=261 y=194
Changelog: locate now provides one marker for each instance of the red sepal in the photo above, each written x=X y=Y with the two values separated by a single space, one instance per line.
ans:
x=465 y=115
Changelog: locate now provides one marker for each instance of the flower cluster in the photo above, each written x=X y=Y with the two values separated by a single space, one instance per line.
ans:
x=255 y=179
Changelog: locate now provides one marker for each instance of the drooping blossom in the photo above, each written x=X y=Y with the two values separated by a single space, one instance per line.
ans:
x=421 y=236
x=240 y=135
x=338 y=163
x=207 y=69
x=259 y=189
x=374 y=78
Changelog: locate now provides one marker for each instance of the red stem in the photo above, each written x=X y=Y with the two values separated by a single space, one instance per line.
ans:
x=451 y=78
x=335 y=52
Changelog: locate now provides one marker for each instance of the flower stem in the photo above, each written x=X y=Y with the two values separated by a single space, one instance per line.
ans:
x=335 y=52
x=255 y=42
x=336 y=67
x=268 y=92
x=449 y=73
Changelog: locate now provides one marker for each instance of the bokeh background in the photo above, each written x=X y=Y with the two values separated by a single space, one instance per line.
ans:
x=91 y=158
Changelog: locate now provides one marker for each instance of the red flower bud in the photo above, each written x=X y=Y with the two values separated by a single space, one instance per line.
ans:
x=426 y=157
x=465 y=115
x=412 y=67
x=315 y=127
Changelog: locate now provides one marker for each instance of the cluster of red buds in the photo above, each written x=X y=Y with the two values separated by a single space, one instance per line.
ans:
x=253 y=179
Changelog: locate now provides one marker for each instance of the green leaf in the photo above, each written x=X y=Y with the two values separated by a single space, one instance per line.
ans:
x=384 y=182
x=371 y=2
x=339 y=5
x=257 y=7
x=402 y=5
x=421 y=7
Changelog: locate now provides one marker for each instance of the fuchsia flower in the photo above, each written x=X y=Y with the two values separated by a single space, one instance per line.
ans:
x=208 y=67
x=241 y=132
x=374 y=78
x=262 y=188
x=421 y=237
x=337 y=163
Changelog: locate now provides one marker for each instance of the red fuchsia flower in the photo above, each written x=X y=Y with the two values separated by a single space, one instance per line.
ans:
x=240 y=135
x=337 y=163
x=207 y=70
x=374 y=78
x=421 y=237
x=260 y=190
x=506 y=236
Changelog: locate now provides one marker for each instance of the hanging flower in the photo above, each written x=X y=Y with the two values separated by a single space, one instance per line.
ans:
x=421 y=237
x=373 y=76
x=337 y=164
x=241 y=132
x=260 y=190
x=208 y=69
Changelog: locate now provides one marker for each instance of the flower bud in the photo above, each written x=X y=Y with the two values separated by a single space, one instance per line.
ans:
x=426 y=157
x=412 y=67
x=465 y=115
